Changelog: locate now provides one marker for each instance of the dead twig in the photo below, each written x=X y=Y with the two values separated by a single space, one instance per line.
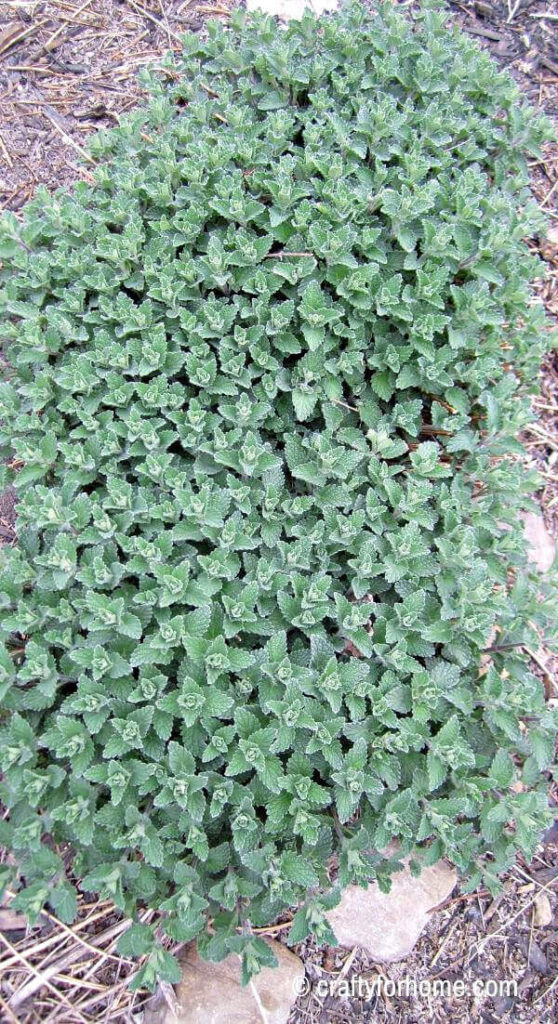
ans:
x=550 y=194
x=55 y=35
x=150 y=17
x=7 y=156
x=52 y=117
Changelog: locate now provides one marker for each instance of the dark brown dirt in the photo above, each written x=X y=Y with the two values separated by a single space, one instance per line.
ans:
x=68 y=69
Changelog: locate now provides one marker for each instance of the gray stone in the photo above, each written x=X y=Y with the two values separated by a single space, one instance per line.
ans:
x=211 y=993
x=388 y=925
x=541 y=549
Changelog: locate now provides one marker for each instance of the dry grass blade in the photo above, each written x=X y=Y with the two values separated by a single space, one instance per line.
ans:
x=71 y=976
x=40 y=979
x=155 y=21
x=52 y=117
x=12 y=40
x=56 y=968
x=52 y=38
x=7 y=156
x=509 y=921
x=94 y=948
x=10 y=1015
x=550 y=194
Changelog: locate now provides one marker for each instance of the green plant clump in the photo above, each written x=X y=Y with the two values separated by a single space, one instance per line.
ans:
x=265 y=378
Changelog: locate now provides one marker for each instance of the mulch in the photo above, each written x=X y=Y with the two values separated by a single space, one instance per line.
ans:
x=67 y=69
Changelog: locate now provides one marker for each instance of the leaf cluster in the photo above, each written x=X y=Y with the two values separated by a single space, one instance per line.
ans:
x=265 y=378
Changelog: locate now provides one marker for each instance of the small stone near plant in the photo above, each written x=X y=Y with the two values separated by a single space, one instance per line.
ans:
x=541 y=548
x=387 y=925
x=543 y=911
x=212 y=993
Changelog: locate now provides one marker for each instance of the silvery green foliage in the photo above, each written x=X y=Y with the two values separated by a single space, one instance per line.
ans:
x=264 y=382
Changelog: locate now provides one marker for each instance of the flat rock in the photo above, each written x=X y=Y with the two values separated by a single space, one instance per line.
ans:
x=541 y=549
x=388 y=925
x=211 y=993
x=289 y=9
